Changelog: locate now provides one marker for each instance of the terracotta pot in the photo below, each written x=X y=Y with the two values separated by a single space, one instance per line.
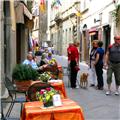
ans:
x=23 y=85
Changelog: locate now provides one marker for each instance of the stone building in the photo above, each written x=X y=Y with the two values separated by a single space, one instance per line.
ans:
x=96 y=22
x=15 y=27
x=64 y=25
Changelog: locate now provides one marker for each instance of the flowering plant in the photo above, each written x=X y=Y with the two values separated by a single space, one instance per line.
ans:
x=45 y=96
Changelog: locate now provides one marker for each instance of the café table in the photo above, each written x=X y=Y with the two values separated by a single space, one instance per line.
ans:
x=58 y=85
x=69 y=110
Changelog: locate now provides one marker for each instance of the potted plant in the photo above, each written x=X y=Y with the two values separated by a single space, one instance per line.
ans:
x=44 y=77
x=23 y=75
x=45 y=96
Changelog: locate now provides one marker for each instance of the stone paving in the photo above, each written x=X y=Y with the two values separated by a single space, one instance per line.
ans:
x=96 y=105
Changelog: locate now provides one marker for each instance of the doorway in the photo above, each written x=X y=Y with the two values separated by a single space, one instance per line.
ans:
x=107 y=36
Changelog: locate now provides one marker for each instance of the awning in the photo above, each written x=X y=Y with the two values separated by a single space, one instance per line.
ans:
x=21 y=10
x=93 y=30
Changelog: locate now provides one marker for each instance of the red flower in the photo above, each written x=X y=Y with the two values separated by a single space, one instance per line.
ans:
x=48 y=89
x=42 y=92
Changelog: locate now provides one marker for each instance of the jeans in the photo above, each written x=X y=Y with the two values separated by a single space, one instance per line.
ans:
x=99 y=73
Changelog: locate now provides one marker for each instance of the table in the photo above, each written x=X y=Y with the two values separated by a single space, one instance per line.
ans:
x=58 y=85
x=68 y=111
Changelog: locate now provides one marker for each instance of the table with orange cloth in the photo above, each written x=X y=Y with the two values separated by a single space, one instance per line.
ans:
x=58 y=85
x=69 y=110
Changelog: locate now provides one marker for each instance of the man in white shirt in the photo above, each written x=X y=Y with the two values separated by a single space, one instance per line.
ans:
x=30 y=61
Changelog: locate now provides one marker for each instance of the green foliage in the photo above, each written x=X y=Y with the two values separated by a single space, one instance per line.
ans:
x=115 y=13
x=24 y=72
x=44 y=77
x=29 y=5
x=45 y=95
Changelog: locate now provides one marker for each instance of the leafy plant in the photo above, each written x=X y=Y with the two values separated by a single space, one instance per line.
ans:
x=24 y=72
x=45 y=95
x=115 y=13
x=44 y=77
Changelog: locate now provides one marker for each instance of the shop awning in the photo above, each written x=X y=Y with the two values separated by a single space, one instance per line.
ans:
x=93 y=31
x=21 y=10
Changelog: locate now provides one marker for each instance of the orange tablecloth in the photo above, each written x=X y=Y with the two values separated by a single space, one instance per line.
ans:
x=60 y=75
x=58 y=86
x=68 y=111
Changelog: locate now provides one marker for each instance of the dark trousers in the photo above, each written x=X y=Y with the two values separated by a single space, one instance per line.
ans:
x=99 y=73
x=73 y=74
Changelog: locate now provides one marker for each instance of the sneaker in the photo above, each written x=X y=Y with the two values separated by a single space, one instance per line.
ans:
x=116 y=93
x=77 y=87
x=108 y=93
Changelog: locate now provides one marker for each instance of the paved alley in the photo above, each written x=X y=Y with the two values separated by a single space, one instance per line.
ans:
x=96 y=105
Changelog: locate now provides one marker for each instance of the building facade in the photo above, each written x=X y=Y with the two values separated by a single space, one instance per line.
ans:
x=96 y=22
x=63 y=25
x=14 y=36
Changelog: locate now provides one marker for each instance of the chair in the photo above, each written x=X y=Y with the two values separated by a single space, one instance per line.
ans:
x=31 y=93
x=12 y=91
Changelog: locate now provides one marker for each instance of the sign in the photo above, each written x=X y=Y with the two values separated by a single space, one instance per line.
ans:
x=57 y=100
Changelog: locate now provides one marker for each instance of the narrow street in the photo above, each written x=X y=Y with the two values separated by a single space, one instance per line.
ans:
x=35 y=31
x=96 y=105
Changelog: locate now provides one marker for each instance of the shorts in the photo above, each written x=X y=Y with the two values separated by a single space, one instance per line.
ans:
x=113 y=68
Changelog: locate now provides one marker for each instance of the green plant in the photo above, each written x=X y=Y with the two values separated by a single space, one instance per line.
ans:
x=45 y=96
x=115 y=13
x=24 y=72
x=44 y=77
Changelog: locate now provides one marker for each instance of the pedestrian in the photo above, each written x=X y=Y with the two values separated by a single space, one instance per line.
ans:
x=43 y=60
x=92 y=60
x=113 y=62
x=99 y=65
x=30 y=61
x=69 y=54
x=74 y=64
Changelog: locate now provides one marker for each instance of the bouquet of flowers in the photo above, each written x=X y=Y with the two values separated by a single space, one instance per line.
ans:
x=45 y=96
x=44 y=77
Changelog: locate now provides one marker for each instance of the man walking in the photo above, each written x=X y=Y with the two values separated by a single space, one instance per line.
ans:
x=113 y=62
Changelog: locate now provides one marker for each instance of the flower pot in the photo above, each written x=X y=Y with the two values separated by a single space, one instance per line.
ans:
x=23 y=85
x=48 y=104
